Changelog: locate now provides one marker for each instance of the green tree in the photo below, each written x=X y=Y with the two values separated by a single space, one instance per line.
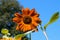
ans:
x=7 y=9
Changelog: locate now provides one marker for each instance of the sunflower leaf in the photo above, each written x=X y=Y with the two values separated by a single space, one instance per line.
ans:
x=53 y=19
x=19 y=35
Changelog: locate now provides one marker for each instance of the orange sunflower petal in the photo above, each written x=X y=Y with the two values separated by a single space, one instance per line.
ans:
x=36 y=18
x=34 y=27
x=32 y=11
x=27 y=11
x=18 y=15
x=36 y=15
x=26 y=28
x=38 y=21
x=34 y=23
x=21 y=27
x=17 y=27
x=16 y=19
x=23 y=11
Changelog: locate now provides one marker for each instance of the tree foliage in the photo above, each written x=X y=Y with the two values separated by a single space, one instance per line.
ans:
x=7 y=9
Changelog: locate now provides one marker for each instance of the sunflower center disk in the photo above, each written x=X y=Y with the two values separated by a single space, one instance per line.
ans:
x=27 y=20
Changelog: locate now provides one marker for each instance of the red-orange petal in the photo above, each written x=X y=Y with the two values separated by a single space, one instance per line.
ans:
x=35 y=18
x=36 y=15
x=21 y=27
x=16 y=19
x=18 y=15
x=27 y=11
x=23 y=11
x=34 y=23
x=17 y=27
x=32 y=11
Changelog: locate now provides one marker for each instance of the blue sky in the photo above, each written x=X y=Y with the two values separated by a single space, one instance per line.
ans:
x=46 y=8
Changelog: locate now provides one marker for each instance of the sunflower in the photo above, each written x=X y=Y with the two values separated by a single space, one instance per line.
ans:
x=28 y=20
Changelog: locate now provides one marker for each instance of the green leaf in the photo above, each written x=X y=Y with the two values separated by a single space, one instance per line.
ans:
x=19 y=35
x=53 y=19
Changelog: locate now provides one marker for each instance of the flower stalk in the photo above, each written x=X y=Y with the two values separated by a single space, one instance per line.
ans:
x=30 y=36
x=44 y=32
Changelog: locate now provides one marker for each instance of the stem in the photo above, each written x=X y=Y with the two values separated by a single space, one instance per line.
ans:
x=44 y=32
x=29 y=31
x=30 y=36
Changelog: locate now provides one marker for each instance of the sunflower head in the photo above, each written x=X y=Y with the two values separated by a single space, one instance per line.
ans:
x=28 y=20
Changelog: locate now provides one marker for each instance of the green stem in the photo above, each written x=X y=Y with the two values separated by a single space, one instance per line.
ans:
x=44 y=32
x=30 y=36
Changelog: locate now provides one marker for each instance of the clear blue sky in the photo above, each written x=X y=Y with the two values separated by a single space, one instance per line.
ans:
x=46 y=8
